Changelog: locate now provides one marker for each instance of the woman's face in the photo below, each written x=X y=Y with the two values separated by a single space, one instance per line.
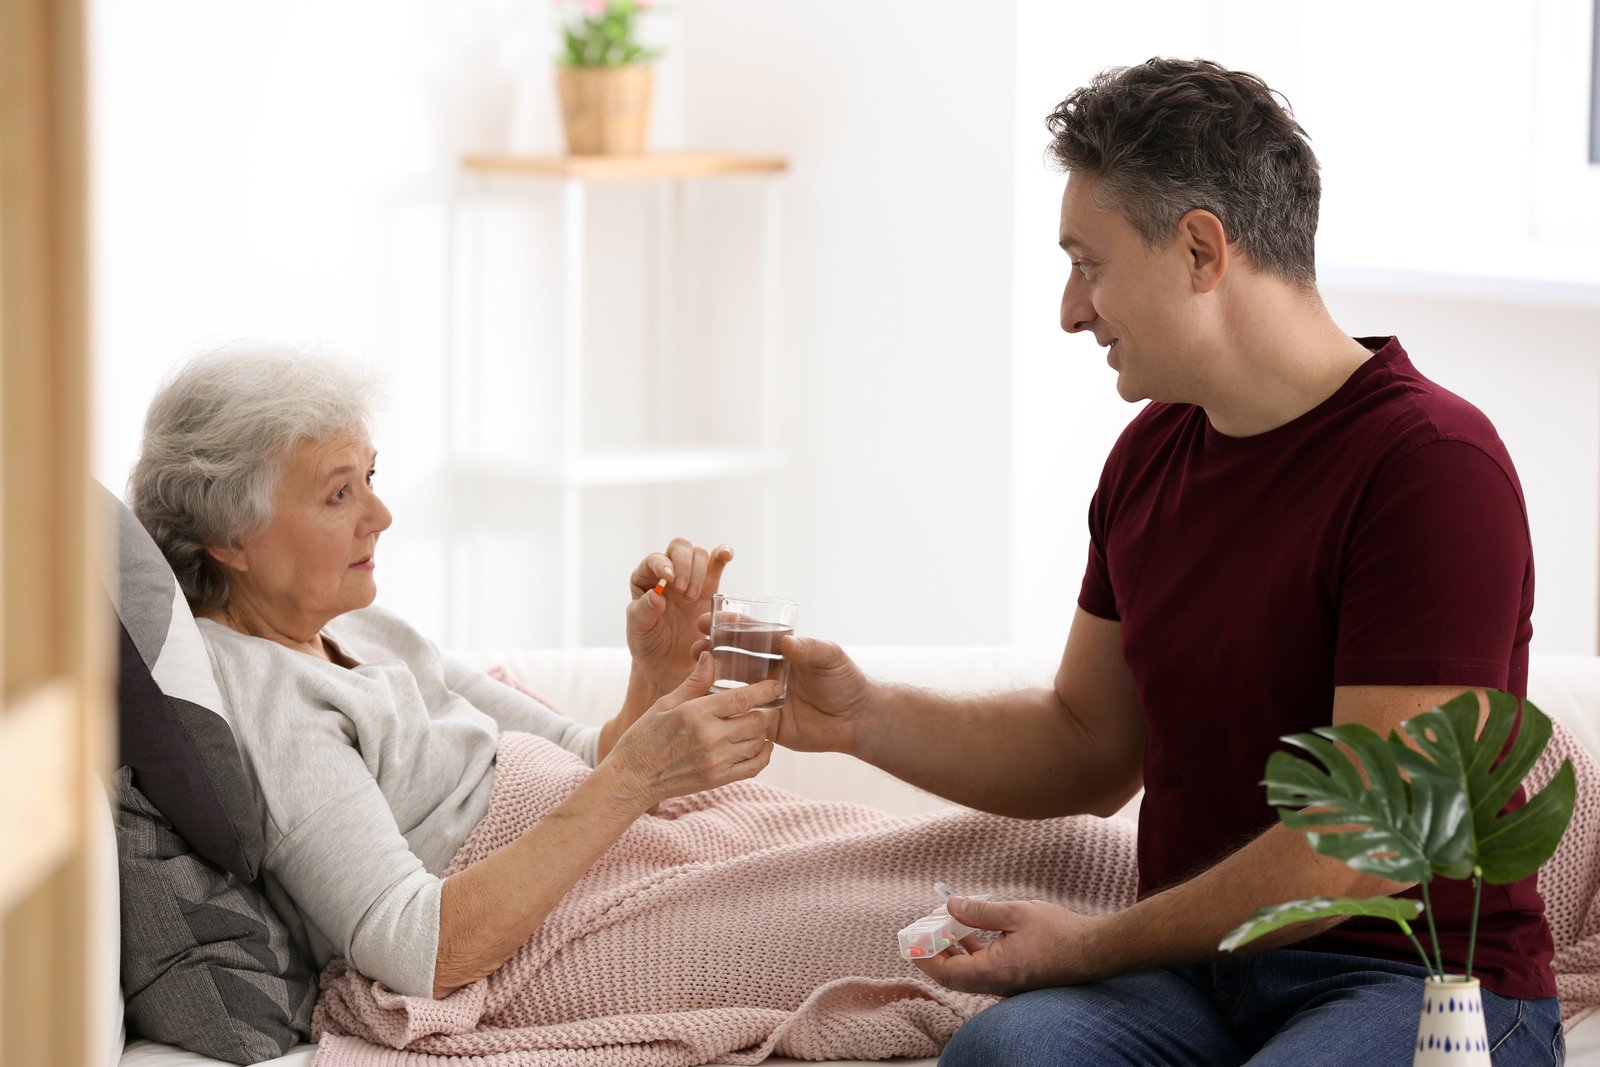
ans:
x=315 y=560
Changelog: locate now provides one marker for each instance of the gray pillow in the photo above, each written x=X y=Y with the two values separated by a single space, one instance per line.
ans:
x=173 y=727
x=206 y=963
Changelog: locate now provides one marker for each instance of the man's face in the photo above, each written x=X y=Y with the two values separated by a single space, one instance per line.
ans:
x=1137 y=301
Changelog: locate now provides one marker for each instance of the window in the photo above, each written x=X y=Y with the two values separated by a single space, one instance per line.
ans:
x=1594 y=89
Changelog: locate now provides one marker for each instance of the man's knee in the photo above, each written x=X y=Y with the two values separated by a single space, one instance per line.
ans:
x=1150 y=1017
x=1044 y=1028
x=1003 y=1035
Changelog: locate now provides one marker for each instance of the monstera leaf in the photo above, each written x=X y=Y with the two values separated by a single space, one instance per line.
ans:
x=1455 y=759
x=1380 y=823
x=1430 y=799
x=1265 y=921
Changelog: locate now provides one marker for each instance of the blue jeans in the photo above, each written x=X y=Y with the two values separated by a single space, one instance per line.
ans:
x=1286 y=1006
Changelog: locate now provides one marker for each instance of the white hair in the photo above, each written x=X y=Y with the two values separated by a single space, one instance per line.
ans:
x=214 y=438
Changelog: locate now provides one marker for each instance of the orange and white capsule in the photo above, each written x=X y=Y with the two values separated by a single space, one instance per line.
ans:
x=661 y=587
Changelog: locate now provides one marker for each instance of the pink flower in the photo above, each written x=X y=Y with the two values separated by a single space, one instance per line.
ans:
x=595 y=8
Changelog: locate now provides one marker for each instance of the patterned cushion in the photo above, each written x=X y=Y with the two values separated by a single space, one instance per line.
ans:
x=173 y=725
x=206 y=963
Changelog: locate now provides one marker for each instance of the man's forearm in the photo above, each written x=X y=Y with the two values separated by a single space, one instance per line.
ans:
x=1022 y=754
x=1185 y=923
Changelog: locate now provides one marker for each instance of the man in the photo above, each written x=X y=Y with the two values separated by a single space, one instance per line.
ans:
x=1299 y=529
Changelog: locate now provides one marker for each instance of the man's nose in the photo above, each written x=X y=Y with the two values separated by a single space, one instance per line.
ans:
x=1077 y=312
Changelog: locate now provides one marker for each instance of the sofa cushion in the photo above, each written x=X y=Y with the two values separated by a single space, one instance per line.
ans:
x=107 y=1034
x=206 y=963
x=173 y=728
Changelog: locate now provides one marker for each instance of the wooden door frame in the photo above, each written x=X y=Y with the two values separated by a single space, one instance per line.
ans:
x=54 y=637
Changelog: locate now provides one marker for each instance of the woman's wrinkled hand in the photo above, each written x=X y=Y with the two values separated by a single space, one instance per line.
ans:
x=691 y=741
x=662 y=628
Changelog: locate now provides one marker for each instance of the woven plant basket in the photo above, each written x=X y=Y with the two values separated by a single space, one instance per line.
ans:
x=605 y=110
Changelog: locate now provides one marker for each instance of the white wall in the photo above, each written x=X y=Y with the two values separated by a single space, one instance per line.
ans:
x=897 y=267
x=287 y=171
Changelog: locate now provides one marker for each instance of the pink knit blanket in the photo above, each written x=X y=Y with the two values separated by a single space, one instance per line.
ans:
x=728 y=927
x=1570 y=882
x=747 y=922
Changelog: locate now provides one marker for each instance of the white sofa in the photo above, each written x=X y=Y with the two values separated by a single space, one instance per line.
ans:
x=588 y=683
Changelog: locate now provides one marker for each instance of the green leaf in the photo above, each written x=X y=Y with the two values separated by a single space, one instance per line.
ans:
x=607 y=39
x=1439 y=811
x=1519 y=842
x=1487 y=773
x=574 y=57
x=1265 y=921
x=1371 y=823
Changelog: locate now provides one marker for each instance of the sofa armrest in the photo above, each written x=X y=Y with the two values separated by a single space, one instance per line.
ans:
x=588 y=683
x=1567 y=688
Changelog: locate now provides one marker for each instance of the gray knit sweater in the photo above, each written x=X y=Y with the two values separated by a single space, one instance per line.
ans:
x=370 y=779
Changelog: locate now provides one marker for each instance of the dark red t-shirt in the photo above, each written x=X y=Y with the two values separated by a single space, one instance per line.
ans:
x=1379 y=539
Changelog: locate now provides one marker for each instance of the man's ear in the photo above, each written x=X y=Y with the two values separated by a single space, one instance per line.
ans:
x=1205 y=243
x=234 y=558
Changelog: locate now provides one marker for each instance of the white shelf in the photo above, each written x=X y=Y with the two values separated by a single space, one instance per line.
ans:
x=493 y=493
x=1549 y=274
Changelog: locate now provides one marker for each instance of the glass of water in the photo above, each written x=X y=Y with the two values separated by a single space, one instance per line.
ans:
x=745 y=631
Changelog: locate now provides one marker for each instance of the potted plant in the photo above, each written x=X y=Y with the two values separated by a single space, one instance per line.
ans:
x=604 y=77
x=1428 y=801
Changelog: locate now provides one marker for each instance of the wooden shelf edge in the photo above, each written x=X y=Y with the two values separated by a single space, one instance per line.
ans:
x=625 y=168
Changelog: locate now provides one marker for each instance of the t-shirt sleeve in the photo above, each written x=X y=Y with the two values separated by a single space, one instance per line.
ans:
x=1095 y=595
x=1438 y=583
x=513 y=709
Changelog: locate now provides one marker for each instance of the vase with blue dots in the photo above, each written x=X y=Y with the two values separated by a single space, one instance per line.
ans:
x=1450 y=1031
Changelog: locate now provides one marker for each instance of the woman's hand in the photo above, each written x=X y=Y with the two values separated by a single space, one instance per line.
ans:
x=828 y=698
x=686 y=742
x=662 y=627
x=689 y=741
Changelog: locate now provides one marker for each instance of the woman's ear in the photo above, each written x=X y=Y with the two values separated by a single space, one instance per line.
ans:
x=235 y=558
x=1206 y=243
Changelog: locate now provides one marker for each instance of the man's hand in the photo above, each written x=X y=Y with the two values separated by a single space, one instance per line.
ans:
x=662 y=628
x=1040 y=945
x=827 y=700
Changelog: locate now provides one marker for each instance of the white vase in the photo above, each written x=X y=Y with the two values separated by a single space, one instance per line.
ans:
x=1450 y=1031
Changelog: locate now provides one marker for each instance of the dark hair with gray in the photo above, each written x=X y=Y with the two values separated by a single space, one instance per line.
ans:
x=1170 y=135
x=208 y=469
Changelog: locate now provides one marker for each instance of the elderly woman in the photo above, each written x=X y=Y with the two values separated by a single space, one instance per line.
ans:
x=374 y=755
x=556 y=887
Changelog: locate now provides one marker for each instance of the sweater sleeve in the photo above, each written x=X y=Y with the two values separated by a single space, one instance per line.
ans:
x=333 y=843
x=353 y=876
